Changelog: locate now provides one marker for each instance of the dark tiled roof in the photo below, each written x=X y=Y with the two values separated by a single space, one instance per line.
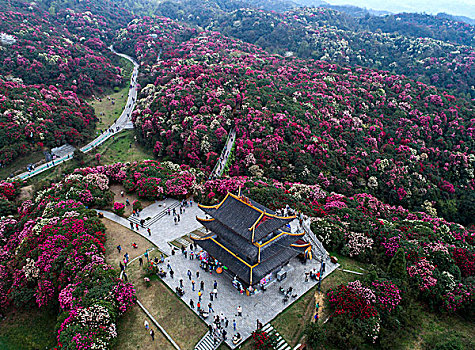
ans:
x=280 y=259
x=274 y=247
x=242 y=247
x=239 y=214
x=234 y=265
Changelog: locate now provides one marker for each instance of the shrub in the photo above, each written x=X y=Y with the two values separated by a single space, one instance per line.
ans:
x=119 y=208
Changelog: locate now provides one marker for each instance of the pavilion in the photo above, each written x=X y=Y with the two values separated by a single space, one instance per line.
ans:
x=250 y=240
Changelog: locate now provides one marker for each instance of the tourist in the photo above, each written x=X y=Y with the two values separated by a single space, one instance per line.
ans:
x=142 y=222
x=197 y=274
x=210 y=308
x=137 y=226
x=198 y=306
x=215 y=285
x=234 y=325
x=178 y=217
x=131 y=225
x=239 y=311
x=126 y=257
x=119 y=248
x=189 y=274
x=193 y=286
x=174 y=211
x=125 y=277
x=192 y=304
x=215 y=292
x=149 y=231
x=127 y=203
x=122 y=267
x=211 y=296
x=169 y=266
x=202 y=285
x=174 y=219
x=152 y=334
x=168 y=211
x=191 y=255
x=181 y=212
x=171 y=273
x=226 y=322
x=146 y=325
x=146 y=254
x=224 y=334
x=185 y=253
x=140 y=261
x=134 y=245
x=181 y=283
x=199 y=295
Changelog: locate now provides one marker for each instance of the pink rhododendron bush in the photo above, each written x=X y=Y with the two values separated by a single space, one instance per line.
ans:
x=348 y=129
x=52 y=255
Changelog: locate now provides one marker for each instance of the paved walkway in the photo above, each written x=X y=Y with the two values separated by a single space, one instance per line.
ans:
x=263 y=306
x=223 y=158
x=123 y=122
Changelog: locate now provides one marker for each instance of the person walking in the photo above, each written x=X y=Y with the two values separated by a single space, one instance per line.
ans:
x=146 y=325
x=152 y=334
x=137 y=226
x=215 y=292
x=186 y=253
x=192 y=255
x=146 y=254
x=198 y=306
x=211 y=296
x=189 y=274
x=234 y=325
x=178 y=217
x=224 y=333
x=192 y=304
x=171 y=273
x=197 y=274
x=119 y=248
x=174 y=219
x=122 y=267
x=131 y=225
x=181 y=283
x=199 y=295
x=149 y=232
x=210 y=308
x=140 y=261
x=202 y=285
x=127 y=203
x=215 y=285
x=226 y=322
x=193 y=286
x=125 y=277
x=239 y=311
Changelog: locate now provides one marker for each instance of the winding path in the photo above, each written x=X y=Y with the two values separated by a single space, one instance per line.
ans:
x=223 y=158
x=123 y=122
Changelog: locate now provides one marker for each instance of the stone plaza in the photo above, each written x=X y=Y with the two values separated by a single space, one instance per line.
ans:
x=262 y=306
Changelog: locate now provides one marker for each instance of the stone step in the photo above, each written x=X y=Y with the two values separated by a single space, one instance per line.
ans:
x=207 y=343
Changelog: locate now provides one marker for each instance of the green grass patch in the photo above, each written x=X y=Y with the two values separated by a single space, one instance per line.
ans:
x=107 y=112
x=19 y=165
x=123 y=148
x=32 y=329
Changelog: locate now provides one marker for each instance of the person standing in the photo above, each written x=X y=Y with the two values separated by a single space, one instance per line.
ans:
x=149 y=232
x=193 y=286
x=137 y=226
x=174 y=219
x=171 y=273
x=215 y=292
x=191 y=255
x=181 y=283
x=210 y=308
x=122 y=267
x=234 y=325
x=202 y=285
x=140 y=261
x=211 y=296
x=131 y=225
x=197 y=274
x=146 y=325
x=192 y=304
x=119 y=248
x=215 y=285
x=152 y=334
x=186 y=253
x=199 y=295
x=189 y=274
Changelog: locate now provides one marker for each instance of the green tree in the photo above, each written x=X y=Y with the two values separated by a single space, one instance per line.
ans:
x=397 y=267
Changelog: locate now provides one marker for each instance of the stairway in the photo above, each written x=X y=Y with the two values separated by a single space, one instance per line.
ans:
x=281 y=343
x=150 y=222
x=207 y=343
